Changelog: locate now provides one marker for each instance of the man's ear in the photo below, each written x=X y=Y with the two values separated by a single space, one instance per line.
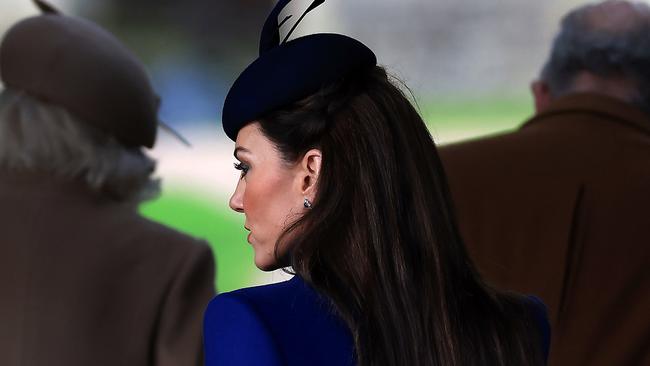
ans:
x=541 y=94
x=309 y=172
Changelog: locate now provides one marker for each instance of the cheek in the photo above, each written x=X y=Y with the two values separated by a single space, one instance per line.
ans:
x=268 y=205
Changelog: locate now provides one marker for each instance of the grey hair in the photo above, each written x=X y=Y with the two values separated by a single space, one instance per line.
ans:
x=605 y=52
x=39 y=137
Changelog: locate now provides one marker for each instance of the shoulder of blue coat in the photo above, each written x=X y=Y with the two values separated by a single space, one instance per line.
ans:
x=235 y=333
x=251 y=301
x=254 y=306
x=273 y=292
x=273 y=314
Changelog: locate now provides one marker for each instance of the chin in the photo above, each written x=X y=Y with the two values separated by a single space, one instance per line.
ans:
x=268 y=262
x=265 y=261
x=266 y=266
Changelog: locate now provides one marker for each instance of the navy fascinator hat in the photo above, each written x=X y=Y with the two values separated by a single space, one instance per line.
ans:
x=287 y=71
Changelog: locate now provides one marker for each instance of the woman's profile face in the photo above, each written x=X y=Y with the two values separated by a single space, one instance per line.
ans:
x=268 y=193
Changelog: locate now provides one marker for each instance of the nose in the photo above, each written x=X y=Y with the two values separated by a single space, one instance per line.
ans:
x=237 y=199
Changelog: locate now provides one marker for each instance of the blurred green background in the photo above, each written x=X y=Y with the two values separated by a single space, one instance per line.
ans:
x=219 y=226
x=468 y=63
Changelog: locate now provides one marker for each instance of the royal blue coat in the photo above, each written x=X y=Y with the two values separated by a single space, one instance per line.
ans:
x=286 y=324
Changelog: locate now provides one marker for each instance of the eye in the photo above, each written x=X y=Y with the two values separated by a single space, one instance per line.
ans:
x=242 y=167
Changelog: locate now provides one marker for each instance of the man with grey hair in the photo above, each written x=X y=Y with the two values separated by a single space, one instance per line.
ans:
x=559 y=207
x=84 y=279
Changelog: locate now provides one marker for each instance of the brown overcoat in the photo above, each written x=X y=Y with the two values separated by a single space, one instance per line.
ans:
x=561 y=208
x=87 y=281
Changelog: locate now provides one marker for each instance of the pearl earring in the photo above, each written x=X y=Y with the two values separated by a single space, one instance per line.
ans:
x=307 y=203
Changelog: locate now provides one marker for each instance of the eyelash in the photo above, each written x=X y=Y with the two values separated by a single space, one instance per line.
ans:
x=242 y=167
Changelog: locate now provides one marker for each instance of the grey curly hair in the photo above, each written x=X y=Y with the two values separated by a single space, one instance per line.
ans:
x=582 y=45
x=39 y=137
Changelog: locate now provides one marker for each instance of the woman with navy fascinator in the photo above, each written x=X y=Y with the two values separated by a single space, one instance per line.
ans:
x=341 y=184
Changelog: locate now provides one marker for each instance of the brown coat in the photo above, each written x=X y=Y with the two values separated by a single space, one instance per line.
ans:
x=561 y=208
x=85 y=281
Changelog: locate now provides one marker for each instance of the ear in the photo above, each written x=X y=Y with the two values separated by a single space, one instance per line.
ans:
x=541 y=94
x=309 y=172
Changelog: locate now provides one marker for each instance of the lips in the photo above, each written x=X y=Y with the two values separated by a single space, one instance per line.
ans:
x=248 y=238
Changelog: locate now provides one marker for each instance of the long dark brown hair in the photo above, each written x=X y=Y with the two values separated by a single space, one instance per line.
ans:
x=381 y=241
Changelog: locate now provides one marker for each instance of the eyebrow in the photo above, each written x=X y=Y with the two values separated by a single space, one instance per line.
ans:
x=240 y=149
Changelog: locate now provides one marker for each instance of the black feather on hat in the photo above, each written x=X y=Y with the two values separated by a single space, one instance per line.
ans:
x=287 y=71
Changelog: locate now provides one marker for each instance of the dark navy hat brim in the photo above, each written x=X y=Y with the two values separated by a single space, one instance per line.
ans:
x=290 y=72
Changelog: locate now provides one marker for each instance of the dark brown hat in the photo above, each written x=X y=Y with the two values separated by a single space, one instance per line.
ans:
x=76 y=64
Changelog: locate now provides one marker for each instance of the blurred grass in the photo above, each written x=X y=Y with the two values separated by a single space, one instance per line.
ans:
x=453 y=119
x=222 y=228
x=449 y=120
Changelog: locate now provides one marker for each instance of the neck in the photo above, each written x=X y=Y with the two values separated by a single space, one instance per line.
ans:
x=616 y=87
